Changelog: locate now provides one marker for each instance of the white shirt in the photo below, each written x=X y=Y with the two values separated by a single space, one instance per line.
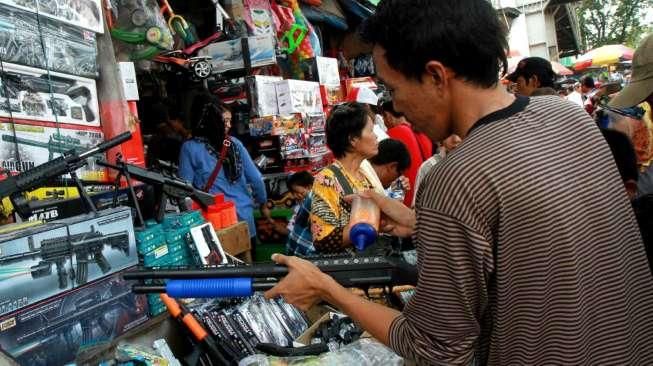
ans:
x=575 y=97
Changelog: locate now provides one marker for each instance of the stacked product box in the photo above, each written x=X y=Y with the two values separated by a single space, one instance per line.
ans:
x=47 y=260
x=263 y=95
x=24 y=146
x=31 y=94
x=47 y=44
x=325 y=71
x=85 y=14
x=298 y=96
x=167 y=244
x=53 y=332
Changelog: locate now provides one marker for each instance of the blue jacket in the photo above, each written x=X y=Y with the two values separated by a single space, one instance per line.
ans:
x=196 y=165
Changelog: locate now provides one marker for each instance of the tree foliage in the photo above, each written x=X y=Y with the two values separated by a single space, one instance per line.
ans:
x=605 y=22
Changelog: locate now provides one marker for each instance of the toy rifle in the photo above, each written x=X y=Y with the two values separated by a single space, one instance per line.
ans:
x=166 y=185
x=69 y=162
x=243 y=281
x=57 y=144
x=86 y=247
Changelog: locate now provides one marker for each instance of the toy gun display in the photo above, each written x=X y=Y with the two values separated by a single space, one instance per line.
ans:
x=92 y=313
x=57 y=144
x=86 y=247
x=166 y=185
x=243 y=281
x=69 y=162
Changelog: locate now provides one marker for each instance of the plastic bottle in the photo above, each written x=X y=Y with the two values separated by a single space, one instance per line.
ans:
x=365 y=217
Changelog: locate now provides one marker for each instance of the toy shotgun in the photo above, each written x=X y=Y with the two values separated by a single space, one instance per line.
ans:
x=243 y=281
x=14 y=186
x=166 y=185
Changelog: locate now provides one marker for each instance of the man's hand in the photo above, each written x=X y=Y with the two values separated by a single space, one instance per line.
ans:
x=304 y=286
x=405 y=183
x=266 y=213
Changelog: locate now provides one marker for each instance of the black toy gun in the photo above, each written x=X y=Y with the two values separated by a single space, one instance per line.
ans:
x=89 y=249
x=166 y=185
x=243 y=281
x=14 y=186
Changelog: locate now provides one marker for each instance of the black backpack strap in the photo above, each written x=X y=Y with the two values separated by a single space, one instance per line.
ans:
x=342 y=180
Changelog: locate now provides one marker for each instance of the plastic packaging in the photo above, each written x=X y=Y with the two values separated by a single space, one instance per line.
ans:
x=364 y=352
x=365 y=218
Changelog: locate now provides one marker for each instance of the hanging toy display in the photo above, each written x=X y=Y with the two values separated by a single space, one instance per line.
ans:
x=295 y=39
x=140 y=29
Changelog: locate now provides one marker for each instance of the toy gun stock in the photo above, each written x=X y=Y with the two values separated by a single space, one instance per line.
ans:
x=243 y=281
x=14 y=186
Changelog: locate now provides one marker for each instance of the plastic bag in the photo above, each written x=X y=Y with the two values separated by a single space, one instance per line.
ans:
x=364 y=352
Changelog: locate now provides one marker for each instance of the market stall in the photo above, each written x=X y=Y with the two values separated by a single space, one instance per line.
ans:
x=96 y=101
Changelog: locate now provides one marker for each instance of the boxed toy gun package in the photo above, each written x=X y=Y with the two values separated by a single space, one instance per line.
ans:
x=263 y=95
x=28 y=93
x=39 y=144
x=86 y=14
x=315 y=122
x=293 y=146
x=228 y=55
x=45 y=260
x=46 y=44
x=298 y=96
x=54 y=331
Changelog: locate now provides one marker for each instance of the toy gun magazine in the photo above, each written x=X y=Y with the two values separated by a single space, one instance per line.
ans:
x=69 y=162
x=243 y=281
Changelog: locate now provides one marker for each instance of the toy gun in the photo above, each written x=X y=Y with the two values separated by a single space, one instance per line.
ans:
x=86 y=247
x=57 y=144
x=243 y=281
x=69 y=162
x=166 y=185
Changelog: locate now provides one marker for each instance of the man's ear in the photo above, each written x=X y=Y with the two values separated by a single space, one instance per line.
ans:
x=535 y=80
x=436 y=73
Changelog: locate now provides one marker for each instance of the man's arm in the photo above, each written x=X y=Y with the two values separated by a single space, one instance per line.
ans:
x=306 y=285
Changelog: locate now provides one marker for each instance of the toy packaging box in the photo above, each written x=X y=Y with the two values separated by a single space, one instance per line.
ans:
x=298 y=96
x=323 y=70
x=86 y=14
x=35 y=94
x=55 y=331
x=315 y=122
x=37 y=145
x=263 y=94
x=228 y=55
x=43 y=261
x=276 y=125
x=62 y=48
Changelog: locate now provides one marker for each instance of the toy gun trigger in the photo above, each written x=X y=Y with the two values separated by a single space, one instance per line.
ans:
x=293 y=37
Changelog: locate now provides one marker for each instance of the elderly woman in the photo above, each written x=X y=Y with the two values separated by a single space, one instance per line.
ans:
x=351 y=138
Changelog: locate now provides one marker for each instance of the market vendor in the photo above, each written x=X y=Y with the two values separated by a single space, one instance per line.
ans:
x=350 y=136
x=525 y=257
x=236 y=172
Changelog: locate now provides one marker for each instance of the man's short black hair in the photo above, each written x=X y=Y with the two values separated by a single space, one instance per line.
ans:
x=388 y=107
x=302 y=179
x=465 y=35
x=535 y=66
x=588 y=82
x=623 y=153
x=392 y=151
x=345 y=123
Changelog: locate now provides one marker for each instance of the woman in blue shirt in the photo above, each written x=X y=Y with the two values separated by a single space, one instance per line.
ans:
x=238 y=179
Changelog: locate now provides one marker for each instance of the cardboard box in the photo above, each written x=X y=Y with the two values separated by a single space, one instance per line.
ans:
x=294 y=146
x=39 y=144
x=44 y=261
x=38 y=95
x=324 y=70
x=263 y=94
x=367 y=81
x=54 y=331
x=46 y=44
x=228 y=55
x=316 y=143
x=235 y=240
x=315 y=122
x=86 y=14
x=276 y=125
x=298 y=96
x=331 y=94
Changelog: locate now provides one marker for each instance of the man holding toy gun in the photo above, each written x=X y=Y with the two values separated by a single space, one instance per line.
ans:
x=525 y=257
